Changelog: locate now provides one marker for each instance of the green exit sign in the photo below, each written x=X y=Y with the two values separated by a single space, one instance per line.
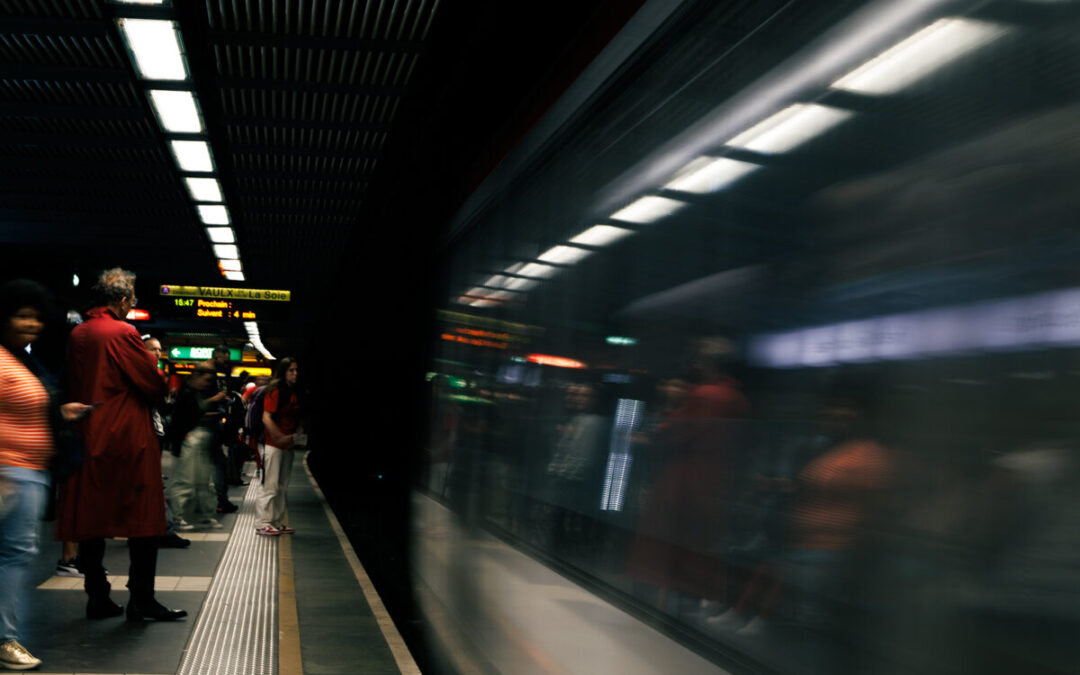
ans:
x=199 y=353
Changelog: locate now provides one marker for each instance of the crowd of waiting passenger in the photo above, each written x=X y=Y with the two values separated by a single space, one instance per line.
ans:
x=85 y=447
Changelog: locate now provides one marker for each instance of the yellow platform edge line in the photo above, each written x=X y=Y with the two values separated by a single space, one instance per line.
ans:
x=404 y=659
x=290 y=661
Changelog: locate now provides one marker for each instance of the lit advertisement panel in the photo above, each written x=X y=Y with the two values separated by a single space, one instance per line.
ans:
x=1028 y=322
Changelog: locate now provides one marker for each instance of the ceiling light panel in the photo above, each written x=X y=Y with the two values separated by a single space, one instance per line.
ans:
x=192 y=155
x=230 y=265
x=564 y=255
x=221 y=235
x=156 y=47
x=601 y=235
x=177 y=111
x=537 y=271
x=226 y=251
x=916 y=57
x=790 y=128
x=234 y=276
x=710 y=174
x=214 y=214
x=519 y=284
x=648 y=210
x=204 y=189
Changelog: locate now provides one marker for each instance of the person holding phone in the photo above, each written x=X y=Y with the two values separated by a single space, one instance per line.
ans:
x=118 y=491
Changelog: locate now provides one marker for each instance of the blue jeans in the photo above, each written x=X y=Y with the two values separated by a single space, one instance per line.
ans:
x=18 y=538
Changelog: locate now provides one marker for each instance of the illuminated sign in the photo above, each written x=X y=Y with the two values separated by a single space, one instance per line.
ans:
x=203 y=353
x=221 y=293
x=619 y=340
x=138 y=315
x=556 y=361
x=237 y=371
x=476 y=342
x=225 y=310
x=1043 y=320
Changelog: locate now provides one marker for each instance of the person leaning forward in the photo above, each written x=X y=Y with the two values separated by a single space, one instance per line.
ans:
x=118 y=490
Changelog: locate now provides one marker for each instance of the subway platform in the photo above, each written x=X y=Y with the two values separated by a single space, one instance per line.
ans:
x=298 y=603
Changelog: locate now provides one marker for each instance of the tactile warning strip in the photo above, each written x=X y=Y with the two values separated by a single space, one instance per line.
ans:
x=236 y=632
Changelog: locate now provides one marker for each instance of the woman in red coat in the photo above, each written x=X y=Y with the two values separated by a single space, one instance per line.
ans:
x=118 y=490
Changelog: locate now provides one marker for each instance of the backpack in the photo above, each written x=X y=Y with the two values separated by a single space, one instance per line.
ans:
x=253 y=423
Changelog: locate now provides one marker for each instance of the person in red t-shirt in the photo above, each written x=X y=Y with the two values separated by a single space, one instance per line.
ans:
x=281 y=421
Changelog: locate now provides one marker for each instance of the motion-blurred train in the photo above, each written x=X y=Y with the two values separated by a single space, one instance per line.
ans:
x=761 y=353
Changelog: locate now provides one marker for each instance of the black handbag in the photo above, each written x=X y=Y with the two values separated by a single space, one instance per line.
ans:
x=69 y=455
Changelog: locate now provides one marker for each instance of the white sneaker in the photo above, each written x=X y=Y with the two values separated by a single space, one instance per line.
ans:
x=14 y=656
x=211 y=523
x=729 y=620
x=183 y=525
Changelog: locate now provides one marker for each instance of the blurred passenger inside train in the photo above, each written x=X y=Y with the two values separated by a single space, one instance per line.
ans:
x=194 y=426
x=30 y=416
x=574 y=475
x=678 y=553
x=283 y=433
x=117 y=492
x=838 y=497
x=442 y=436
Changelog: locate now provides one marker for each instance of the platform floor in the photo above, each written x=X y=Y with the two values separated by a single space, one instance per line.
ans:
x=297 y=603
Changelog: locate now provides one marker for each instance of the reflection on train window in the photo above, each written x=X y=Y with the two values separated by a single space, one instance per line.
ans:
x=836 y=430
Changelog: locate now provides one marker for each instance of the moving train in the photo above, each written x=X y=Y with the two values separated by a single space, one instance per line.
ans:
x=760 y=354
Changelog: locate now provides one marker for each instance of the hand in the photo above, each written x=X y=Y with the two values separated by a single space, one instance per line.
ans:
x=75 y=411
x=216 y=397
x=287 y=442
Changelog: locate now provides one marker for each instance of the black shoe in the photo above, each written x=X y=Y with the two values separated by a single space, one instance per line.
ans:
x=102 y=608
x=173 y=541
x=154 y=611
x=227 y=507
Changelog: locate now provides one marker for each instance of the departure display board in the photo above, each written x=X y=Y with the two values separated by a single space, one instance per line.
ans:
x=211 y=310
x=221 y=293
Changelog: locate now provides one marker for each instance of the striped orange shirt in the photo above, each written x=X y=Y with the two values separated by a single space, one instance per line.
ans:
x=26 y=438
x=836 y=492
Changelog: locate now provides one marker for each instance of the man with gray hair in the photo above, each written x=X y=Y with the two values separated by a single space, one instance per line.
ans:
x=118 y=490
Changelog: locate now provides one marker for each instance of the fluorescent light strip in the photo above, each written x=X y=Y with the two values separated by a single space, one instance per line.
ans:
x=221 y=235
x=790 y=128
x=710 y=174
x=648 y=209
x=565 y=255
x=213 y=214
x=226 y=251
x=156 y=47
x=519 y=284
x=230 y=266
x=601 y=235
x=192 y=155
x=919 y=55
x=204 y=189
x=234 y=276
x=176 y=111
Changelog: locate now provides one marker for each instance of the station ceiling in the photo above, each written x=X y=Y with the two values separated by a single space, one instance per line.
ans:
x=329 y=122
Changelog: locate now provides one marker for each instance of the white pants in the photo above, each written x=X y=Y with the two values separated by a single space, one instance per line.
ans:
x=271 y=507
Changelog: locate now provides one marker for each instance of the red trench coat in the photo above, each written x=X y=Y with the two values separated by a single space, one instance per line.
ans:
x=118 y=490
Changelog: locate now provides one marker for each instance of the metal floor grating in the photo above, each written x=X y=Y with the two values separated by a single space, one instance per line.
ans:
x=236 y=631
